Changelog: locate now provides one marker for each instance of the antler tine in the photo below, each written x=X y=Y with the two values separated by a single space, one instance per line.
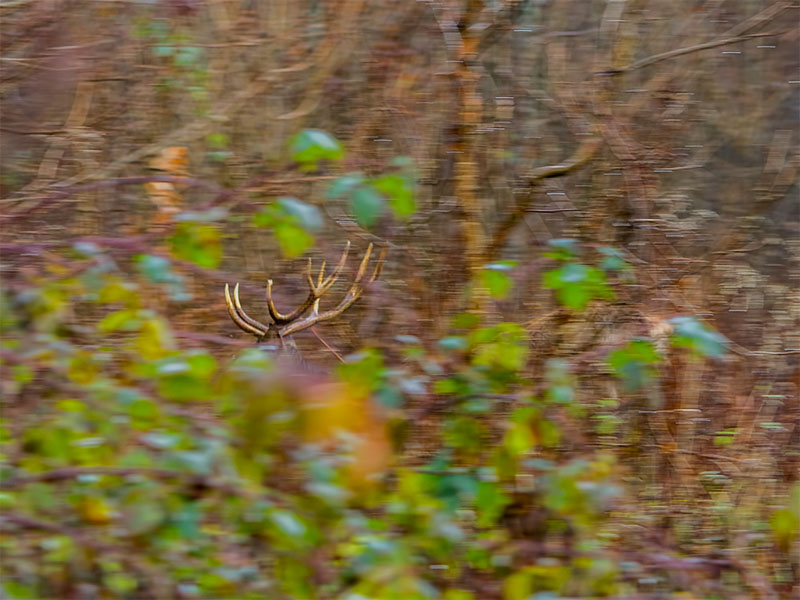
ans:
x=240 y=317
x=316 y=290
x=324 y=286
x=379 y=266
x=281 y=319
x=352 y=295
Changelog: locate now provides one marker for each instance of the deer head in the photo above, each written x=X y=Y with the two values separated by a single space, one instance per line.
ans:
x=308 y=313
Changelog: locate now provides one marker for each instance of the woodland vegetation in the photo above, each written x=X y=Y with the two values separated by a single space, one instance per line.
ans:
x=576 y=376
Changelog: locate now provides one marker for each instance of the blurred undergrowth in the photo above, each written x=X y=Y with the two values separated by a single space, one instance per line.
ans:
x=535 y=400
x=134 y=466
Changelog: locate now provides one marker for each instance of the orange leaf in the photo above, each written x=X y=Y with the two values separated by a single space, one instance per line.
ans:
x=173 y=160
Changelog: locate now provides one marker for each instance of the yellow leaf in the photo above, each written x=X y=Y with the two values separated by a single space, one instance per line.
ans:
x=96 y=510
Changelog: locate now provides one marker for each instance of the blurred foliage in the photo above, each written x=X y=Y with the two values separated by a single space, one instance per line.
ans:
x=537 y=401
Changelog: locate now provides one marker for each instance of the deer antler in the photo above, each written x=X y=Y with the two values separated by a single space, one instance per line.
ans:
x=288 y=324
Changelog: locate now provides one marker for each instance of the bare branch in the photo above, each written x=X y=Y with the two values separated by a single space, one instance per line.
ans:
x=650 y=60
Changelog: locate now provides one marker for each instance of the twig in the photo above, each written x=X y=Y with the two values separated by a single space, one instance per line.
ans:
x=327 y=346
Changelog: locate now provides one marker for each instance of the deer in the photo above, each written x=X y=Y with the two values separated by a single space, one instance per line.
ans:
x=325 y=408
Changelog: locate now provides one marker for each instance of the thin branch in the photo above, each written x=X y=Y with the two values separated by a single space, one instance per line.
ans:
x=65 y=192
x=160 y=474
x=650 y=60
x=84 y=537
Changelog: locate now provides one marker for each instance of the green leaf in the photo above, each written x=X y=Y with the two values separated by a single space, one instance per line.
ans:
x=613 y=259
x=185 y=377
x=577 y=284
x=466 y=320
x=306 y=215
x=217 y=140
x=198 y=243
x=785 y=526
x=499 y=284
x=634 y=363
x=367 y=206
x=155 y=337
x=362 y=369
x=490 y=501
x=122 y=320
x=574 y=273
x=158 y=270
x=695 y=335
x=344 y=185
x=496 y=279
x=400 y=194
x=293 y=240
x=313 y=145
x=563 y=249
x=288 y=523
x=18 y=591
x=518 y=586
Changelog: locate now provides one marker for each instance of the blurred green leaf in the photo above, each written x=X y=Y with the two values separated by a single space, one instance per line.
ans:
x=198 y=243
x=367 y=206
x=310 y=146
x=496 y=279
x=613 y=259
x=577 y=284
x=306 y=215
x=634 y=363
x=785 y=525
x=293 y=240
x=563 y=249
x=695 y=335
x=159 y=270
x=344 y=185
x=400 y=193
x=288 y=524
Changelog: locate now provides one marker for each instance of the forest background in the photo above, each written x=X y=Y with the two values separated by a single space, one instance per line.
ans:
x=576 y=377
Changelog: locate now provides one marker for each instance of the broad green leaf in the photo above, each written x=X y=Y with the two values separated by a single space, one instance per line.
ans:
x=344 y=185
x=305 y=215
x=367 y=206
x=155 y=337
x=496 y=279
x=577 y=284
x=634 y=363
x=785 y=525
x=399 y=192
x=490 y=501
x=613 y=259
x=695 y=335
x=563 y=249
x=217 y=140
x=313 y=145
x=159 y=270
x=122 y=320
x=198 y=243
x=288 y=523
x=293 y=240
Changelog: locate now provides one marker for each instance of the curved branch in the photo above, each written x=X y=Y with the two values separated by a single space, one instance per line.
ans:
x=582 y=155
